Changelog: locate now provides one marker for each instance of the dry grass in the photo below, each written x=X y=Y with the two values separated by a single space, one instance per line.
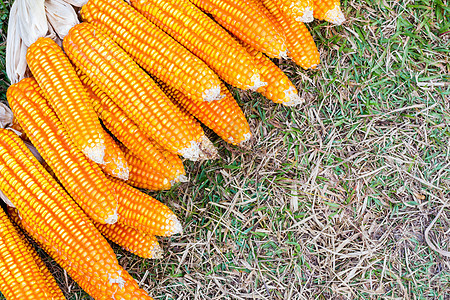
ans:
x=332 y=199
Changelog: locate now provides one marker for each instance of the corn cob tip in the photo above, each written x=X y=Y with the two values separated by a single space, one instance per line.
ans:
x=291 y=94
x=284 y=54
x=121 y=170
x=176 y=227
x=308 y=15
x=157 y=252
x=179 y=178
x=335 y=15
x=256 y=80
x=183 y=178
x=192 y=153
x=212 y=94
x=312 y=67
x=208 y=149
x=113 y=218
x=96 y=153
x=117 y=279
x=247 y=137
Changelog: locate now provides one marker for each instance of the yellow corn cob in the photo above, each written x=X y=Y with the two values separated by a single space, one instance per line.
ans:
x=50 y=281
x=128 y=133
x=115 y=163
x=153 y=49
x=301 y=46
x=299 y=10
x=224 y=116
x=57 y=221
x=143 y=176
x=328 y=10
x=205 y=38
x=132 y=240
x=144 y=213
x=20 y=276
x=62 y=88
x=129 y=290
x=112 y=70
x=208 y=151
x=279 y=88
x=248 y=23
x=71 y=167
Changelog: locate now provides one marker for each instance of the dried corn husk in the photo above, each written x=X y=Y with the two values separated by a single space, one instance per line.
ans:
x=31 y=20
x=52 y=34
x=77 y=3
x=16 y=50
x=61 y=16
x=6 y=116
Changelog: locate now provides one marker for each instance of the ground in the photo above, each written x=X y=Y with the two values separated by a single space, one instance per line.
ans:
x=344 y=197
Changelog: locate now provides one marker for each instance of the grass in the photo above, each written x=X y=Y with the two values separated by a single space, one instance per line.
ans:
x=331 y=199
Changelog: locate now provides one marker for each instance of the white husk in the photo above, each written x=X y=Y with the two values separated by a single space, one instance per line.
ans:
x=31 y=20
x=52 y=34
x=16 y=50
x=6 y=116
x=77 y=3
x=61 y=16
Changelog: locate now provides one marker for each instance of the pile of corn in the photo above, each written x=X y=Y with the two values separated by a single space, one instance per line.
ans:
x=113 y=109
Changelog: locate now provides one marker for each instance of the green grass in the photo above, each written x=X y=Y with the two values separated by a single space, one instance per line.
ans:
x=331 y=199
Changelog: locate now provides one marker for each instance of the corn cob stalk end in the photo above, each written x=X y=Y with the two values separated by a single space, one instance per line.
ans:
x=335 y=15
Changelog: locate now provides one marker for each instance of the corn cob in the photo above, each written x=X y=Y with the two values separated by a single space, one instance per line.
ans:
x=115 y=163
x=279 y=88
x=128 y=133
x=132 y=240
x=70 y=166
x=300 y=43
x=20 y=276
x=112 y=70
x=46 y=274
x=144 y=213
x=143 y=176
x=208 y=151
x=153 y=49
x=65 y=93
x=205 y=38
x=328 y=10
x=247 y=22
x=299 y=10
x=224 y=116
x=58 y=222
x=129 y=289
